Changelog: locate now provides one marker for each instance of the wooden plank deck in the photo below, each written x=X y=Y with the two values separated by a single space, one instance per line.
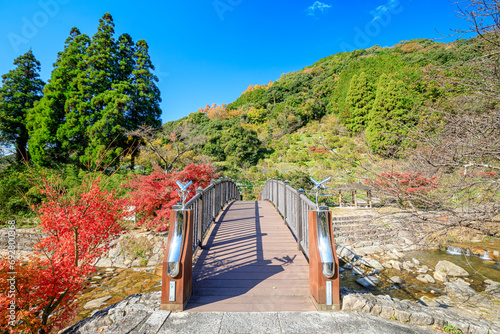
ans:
x=250 y=263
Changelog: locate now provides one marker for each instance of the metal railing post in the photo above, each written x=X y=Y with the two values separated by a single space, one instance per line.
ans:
x=299 y=218
x=278 y=193
x=200 y=216
x=285 y=202
x=214 y=214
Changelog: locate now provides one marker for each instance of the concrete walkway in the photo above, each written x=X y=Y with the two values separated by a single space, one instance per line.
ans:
x=273 y=322
x=250 y=263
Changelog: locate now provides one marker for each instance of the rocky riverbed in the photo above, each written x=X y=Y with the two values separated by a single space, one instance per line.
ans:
x=426 y=283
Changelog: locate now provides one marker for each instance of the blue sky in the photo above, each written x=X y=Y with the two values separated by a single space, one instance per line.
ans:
x=210 y=51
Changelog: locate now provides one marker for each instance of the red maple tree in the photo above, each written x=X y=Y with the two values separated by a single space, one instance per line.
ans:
x=404 y=183
x=77 y=229
x=154 y=195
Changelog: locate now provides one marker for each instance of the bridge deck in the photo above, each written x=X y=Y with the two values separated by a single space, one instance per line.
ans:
x=250 y=262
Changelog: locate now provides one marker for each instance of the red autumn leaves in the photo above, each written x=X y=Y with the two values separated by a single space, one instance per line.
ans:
x=78 y=225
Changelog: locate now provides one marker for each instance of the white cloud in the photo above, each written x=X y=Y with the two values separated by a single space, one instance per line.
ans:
x=317 y=7
x=382 y=9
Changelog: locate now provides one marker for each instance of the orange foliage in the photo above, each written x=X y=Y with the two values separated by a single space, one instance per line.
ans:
x=252 y=87
x=214 y=111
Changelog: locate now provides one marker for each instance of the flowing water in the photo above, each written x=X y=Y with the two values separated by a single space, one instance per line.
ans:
x=413 y=289
x=118 y=284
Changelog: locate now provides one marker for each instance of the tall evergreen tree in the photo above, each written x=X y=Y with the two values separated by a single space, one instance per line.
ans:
x=99 y=89
x=55 y=132
x=145 y=99
x=359 y=102
x=105 y=128
x=389 y=117
x=22 y=87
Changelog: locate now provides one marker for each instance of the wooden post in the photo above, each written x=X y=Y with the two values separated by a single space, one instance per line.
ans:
x=369 y=194
x=355 y=196
x=183 y=282
x=322 y=295
x=340 y=198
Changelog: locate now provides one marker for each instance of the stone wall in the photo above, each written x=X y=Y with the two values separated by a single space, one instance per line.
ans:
x=368 y=233
x=25 y=238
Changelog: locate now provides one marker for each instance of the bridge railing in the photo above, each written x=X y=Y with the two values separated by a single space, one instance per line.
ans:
x=189 y=225
x=294 y=206
x=206 y=205
x=312 y=227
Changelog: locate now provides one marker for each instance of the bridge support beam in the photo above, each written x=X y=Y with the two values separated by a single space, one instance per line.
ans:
x=178 y=262
x=324 y=280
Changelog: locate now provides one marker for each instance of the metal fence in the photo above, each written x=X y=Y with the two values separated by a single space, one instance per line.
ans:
x=206 y=205
x=294 y=206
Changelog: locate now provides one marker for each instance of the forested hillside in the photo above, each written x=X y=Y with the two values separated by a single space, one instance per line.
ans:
x=274 y=129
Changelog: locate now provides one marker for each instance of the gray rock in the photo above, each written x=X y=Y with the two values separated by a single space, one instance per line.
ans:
x=192 y=322
x=154 y=260
x=396 y=280
x=447 y=269
x=422 y=270
x=396 y=265
x=154 y=322
x=367 y=282
x=358 y=271
x=458 y=287
x=426 y=278
x=493 y=288
x=440 y=276
x=96 y=302
x=341 y=269
x=372 y=264
x=103 y=262
x=128 y=323
x=408 y=265
x=251 y=322
x=119 y=262
x=115 y=251
x=305 y=322
x=136 y=263
x=353 y=302
x=345 y=253
x=398 y=254
x=415 y=261
x=387 y=265
x=402 y=315
x=348 y=266
x=421 y=319
x=496 y=254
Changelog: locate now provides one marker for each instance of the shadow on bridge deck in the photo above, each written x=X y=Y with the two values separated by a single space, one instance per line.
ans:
x=250 y=262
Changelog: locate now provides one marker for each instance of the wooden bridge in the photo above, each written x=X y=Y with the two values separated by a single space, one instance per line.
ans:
x=275 y=254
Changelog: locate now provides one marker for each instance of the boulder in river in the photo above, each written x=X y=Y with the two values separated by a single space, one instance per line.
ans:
x=426 y=278
x=396 y=280
x=445 y=269
x=367 y=282
x=372 y=264
x=459 y=287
